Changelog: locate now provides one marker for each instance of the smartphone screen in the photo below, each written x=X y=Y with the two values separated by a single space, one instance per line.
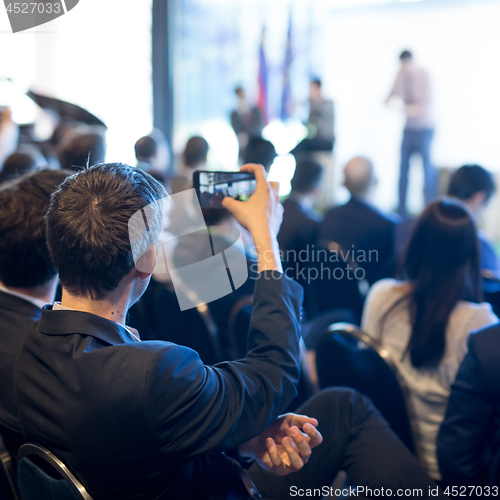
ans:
x=213 y=187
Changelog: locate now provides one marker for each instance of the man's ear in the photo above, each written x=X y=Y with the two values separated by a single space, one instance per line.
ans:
x=146 y=264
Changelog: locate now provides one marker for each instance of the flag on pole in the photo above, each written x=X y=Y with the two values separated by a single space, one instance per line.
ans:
x=286 y=96
x=262 y=102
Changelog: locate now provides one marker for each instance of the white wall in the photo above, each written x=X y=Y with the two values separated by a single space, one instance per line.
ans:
x=98 y=56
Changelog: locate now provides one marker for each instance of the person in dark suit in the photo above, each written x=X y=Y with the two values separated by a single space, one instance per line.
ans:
x=468 y=443
x=260 y=151
x=133 y=419
x=28 y=279
x=147 y=420
x=474 y=186
x=360 y=227
x=300 y=221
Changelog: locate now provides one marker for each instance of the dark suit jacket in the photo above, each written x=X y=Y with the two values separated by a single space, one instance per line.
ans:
x=16 y=317
x=469 y=439
x=143 y=420
x=362 y=225
x=299 y=227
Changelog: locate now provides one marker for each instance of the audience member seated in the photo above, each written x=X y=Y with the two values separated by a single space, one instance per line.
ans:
x=194 y=247
x=361 y=227
x=468 y=443
x=26 y=159
x=148 y=420
x=299 y=230
x=261 y=152
x=424 y=321
x=83 y=149
x=153 y=156
x=28 y=279
x=300 y=221
x=475 y=186
x=194 y=158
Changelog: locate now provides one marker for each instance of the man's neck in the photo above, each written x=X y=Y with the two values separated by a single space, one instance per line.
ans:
x=113 y=307
x=45 y=292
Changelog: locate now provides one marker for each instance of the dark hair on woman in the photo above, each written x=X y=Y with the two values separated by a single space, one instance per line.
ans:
x=442 y=264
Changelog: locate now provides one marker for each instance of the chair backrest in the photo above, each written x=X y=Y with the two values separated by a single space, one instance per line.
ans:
x=42 y=476
x=333 y=280
x=157 y=316
x=348 y=357
x=8 y=476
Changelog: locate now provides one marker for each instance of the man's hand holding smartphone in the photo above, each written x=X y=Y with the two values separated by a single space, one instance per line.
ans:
x=261 y=214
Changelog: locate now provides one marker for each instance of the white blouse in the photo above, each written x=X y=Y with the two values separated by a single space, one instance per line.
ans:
x=429 y=388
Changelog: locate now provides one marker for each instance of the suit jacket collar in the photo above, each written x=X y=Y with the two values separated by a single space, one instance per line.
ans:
x=22 y=306
x=59 y=323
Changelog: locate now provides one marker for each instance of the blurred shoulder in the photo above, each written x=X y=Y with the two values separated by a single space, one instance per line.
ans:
x=385 y=287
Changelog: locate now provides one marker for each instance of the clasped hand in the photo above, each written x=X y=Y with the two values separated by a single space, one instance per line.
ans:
x=285 y=446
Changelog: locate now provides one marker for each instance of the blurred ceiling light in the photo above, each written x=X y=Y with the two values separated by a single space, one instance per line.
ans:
x=24 y=110
x=284 y=136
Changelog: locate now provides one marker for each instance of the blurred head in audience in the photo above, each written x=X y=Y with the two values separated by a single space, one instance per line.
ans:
x=442 y=265
x=152 y=152
x=315 y=89
x=82 y=150
x=307 y=178
x=359 y=177
x=88 y=230
x=63 y=131
x=195 y=153
x=261 y=152
x=26 y=159
x=24 y=256
x=474 y=186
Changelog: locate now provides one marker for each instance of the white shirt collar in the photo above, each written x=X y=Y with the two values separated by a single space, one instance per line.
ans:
x=133 y=332
x=37 y=302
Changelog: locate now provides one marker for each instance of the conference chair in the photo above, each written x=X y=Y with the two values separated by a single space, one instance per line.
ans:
x=42 y=476
x=347 y=357
x=332 y=282
x=8 y=476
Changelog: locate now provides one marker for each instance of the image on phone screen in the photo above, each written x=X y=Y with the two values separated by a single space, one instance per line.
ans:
x=213 y=187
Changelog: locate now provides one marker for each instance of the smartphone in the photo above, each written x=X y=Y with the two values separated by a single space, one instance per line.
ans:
x=213 y=187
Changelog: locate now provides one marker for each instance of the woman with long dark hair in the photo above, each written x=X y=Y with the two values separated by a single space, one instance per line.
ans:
x=424 y=320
